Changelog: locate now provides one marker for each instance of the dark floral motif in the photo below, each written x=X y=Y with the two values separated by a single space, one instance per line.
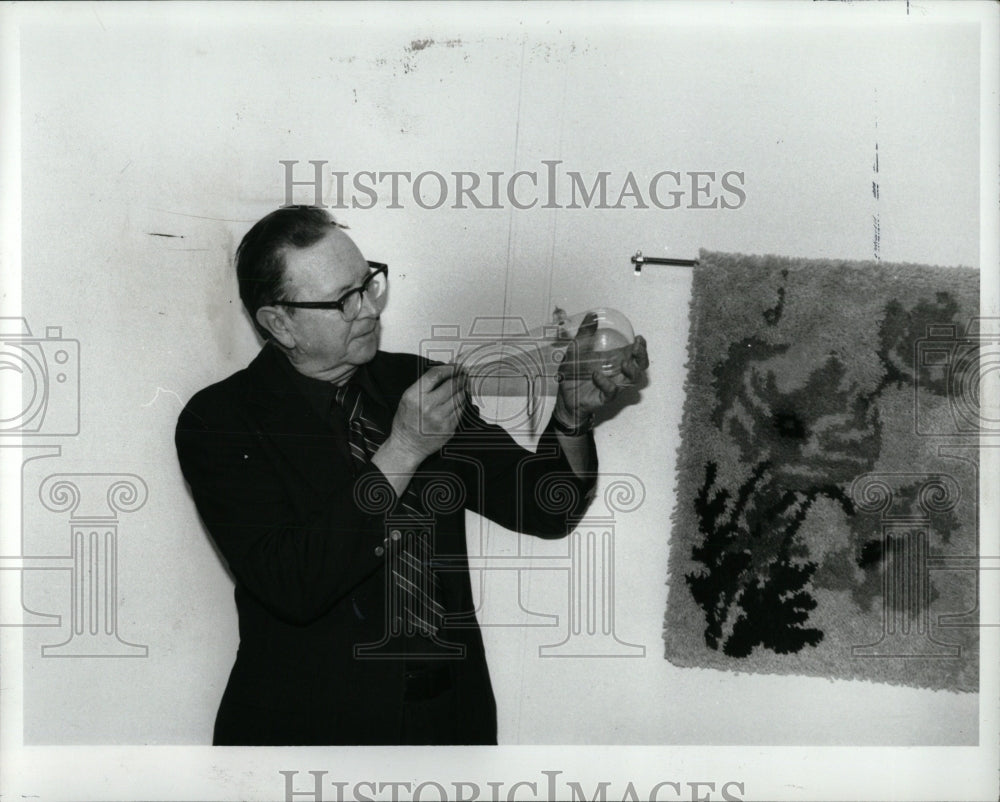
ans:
x=754 y=591
x=802 y=434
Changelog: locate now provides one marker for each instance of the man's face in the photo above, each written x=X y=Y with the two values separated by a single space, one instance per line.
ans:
x=325 y=345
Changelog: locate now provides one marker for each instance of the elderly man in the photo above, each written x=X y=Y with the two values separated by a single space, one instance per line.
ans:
x=309 y=470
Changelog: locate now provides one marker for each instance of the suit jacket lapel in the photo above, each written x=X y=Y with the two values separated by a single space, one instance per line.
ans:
x=316 y=449
x=387 y=385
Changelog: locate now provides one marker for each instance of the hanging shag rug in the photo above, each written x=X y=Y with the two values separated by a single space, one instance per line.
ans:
x=828 y=474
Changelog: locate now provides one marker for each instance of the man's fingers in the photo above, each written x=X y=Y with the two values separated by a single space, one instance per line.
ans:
x=435 y=376
x=607 y=387
x=444 y=407
x=636 y=361
x=450 y=391
x=459 y=392
x=588 y=326
x=639 y=354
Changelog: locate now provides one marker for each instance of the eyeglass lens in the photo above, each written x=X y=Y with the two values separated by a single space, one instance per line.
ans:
x=374 y=288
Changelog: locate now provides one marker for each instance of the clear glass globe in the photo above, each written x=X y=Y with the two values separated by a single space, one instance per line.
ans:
x=613 y=336
x=614 y=331
x=605 y=335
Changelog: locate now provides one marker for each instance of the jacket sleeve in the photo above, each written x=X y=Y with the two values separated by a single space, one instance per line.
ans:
x=297 y=559
x=531 y=493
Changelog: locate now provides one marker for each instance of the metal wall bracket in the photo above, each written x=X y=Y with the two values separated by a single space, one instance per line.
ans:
x=639 y=260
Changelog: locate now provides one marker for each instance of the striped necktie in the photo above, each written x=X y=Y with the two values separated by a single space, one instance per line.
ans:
x=418 y=585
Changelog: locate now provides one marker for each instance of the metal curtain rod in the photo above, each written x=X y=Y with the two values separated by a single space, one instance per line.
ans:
x=639 y=260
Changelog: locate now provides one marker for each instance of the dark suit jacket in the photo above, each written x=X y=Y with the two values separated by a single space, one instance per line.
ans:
x=275 y=486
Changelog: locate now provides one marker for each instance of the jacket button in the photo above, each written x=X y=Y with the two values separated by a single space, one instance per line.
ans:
x=379 y=551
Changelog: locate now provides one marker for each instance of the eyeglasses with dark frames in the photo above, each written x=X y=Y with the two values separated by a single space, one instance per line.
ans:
x=349 y=304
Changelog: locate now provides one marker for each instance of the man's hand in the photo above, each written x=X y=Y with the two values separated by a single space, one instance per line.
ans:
x=427 y=416
x=429 y=412
x=584 y=386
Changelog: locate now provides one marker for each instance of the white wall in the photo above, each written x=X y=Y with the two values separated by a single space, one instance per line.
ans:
x=138 y=121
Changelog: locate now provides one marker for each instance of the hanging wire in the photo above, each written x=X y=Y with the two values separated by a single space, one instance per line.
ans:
x=555 y=212
x=510 y=216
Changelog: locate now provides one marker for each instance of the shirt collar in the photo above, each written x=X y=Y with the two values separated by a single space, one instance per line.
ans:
x=364 y=378
x=320 y=394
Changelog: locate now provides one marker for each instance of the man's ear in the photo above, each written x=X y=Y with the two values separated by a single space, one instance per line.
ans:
x=274 y=319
